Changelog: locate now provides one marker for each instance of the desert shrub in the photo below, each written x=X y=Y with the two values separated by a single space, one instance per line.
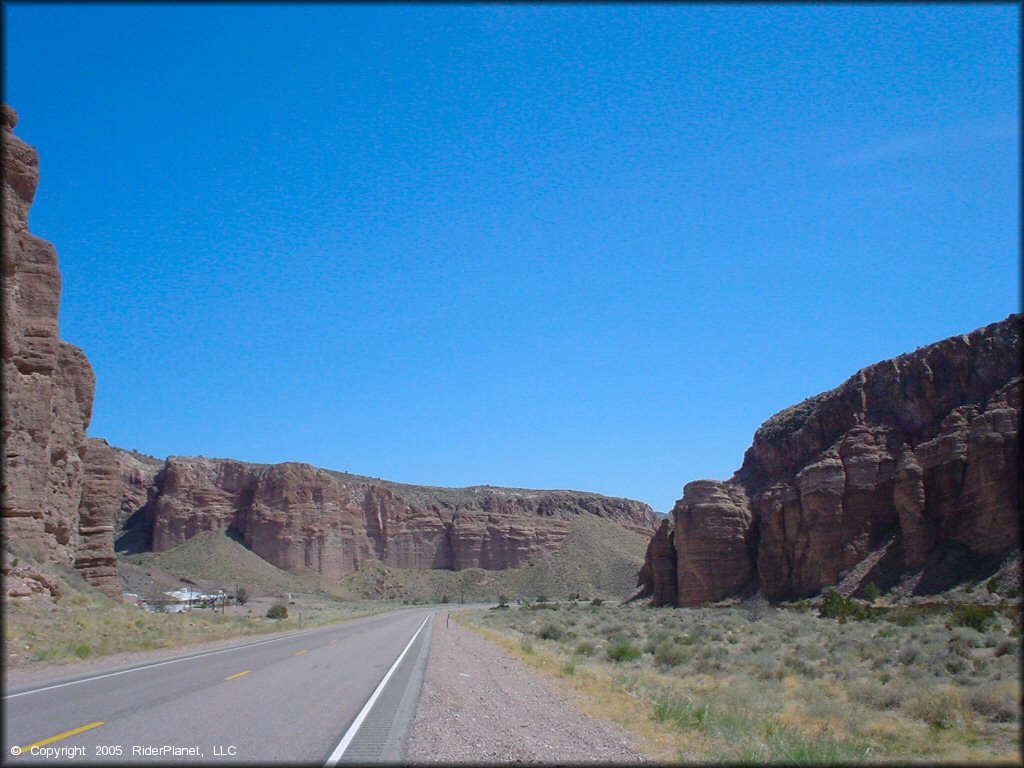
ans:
x=614 y=630
x=586 y=648
x=878 y=695
x=994 y=705
x=1004 y=647
x=623 y=650
x=596 y=602
x=755 y=607
x=910 y=653
x=955 y=665
x=669 y=654
x=526 y=646
x=682 y=713
x=799 y=665
x=242 y=595
x=992 y=585
x=277 y=611
x=569 y=668
x=550 y=631
x=940 y=707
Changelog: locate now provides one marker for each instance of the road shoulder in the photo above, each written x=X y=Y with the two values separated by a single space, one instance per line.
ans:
x=479 y=705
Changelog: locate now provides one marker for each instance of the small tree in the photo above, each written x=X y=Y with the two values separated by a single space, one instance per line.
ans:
x=277 y=611
x=871 y=592
x=242 y=595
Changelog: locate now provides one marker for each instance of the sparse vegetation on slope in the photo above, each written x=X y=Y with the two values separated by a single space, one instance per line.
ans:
x=219 y=559
x=598 y=558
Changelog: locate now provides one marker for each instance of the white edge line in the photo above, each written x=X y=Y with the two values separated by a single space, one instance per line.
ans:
x=170 y=661
x=352 y=729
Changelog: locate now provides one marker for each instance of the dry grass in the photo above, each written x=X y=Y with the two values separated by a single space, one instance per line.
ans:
x=789 y=687
x=86 y=623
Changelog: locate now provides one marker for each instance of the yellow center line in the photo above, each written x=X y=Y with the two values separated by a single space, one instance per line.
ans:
x=64 y=735
x=299 y=653
x=239 y=674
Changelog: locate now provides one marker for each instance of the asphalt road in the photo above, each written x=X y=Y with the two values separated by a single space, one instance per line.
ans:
x=289 y=699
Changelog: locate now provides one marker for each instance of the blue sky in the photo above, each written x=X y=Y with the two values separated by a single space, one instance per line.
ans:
x=570 y=246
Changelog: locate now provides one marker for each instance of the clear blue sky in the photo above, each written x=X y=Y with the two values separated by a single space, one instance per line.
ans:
x=587 y=247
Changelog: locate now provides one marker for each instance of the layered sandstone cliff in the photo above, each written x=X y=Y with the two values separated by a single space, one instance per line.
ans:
x=916 y=455
x=48 y=389
x=297 y=516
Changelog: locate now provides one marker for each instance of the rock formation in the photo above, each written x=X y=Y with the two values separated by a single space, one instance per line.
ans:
x=48 y=392
x=920 y=452
x=298 y=516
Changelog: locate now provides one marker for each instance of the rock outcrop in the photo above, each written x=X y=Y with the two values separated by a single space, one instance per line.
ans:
x=48 y=391
x=921 y=451
x=297 y=516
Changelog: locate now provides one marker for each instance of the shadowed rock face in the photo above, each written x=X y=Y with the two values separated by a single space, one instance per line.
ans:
x=923 y=447
x=298 y=516
x=48 y=389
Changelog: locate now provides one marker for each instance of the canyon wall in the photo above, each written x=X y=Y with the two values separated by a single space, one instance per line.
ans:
x=70 y=500
x=48 y=388
x=907 y=459
x=297 y=516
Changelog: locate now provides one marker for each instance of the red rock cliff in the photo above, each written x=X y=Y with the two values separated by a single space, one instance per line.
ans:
x=48 y=391
x=295 y=515
x=910 y=455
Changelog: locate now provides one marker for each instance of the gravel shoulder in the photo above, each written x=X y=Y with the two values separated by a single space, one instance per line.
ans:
x=478 y=705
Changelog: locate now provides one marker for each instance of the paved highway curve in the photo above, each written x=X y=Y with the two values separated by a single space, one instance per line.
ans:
x=291 y=699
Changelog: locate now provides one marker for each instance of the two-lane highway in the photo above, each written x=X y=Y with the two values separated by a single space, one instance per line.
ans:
x=294 y=699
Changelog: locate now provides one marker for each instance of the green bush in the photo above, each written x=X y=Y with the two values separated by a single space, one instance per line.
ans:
x=596 y=602
x=992 y=585
x=871 y=592
x=833 y=605
x=974 y=616
x=277 y=611
x=623 y=650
